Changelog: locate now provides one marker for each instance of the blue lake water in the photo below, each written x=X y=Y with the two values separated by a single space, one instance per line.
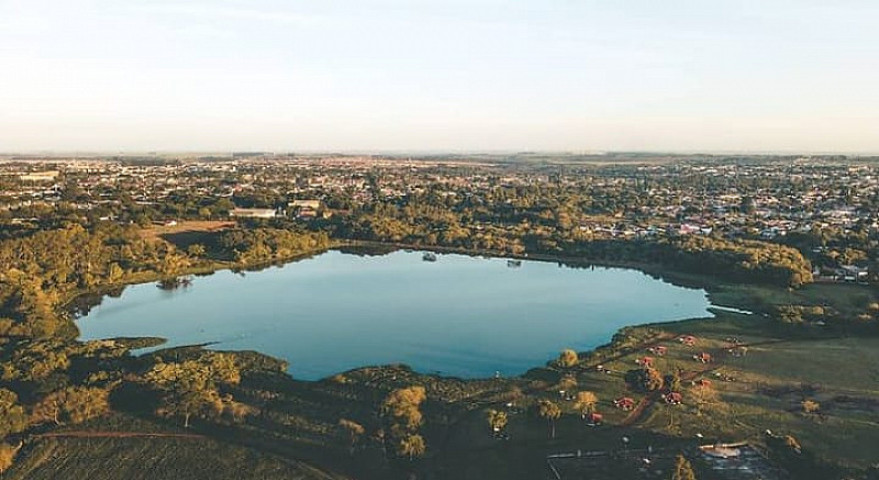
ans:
x=460 y=315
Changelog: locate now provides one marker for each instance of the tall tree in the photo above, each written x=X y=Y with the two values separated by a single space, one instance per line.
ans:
x=549 y=411
x=412 y=446
x=497 y=420
x=567 y=358
x=585 y=402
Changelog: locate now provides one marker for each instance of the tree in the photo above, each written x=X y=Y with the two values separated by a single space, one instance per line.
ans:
x=810 y=406
x=196 y=250
x=354 y=431
x=683 y=470
x=497 y=420
x=704 y=398
x=402 y=405
x=12 y=415
x=412 y=446
x=191 y=388
x=645 y=379
x=672 y=382
x=7 y=456
x=568 y=383
x=567 y=358
x=549 y=411
x=585 y=402
x=72 y=405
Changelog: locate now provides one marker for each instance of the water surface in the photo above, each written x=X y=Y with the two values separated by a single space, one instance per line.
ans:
x=460 y=315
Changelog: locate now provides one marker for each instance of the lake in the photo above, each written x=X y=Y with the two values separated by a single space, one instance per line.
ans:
x=459 y=315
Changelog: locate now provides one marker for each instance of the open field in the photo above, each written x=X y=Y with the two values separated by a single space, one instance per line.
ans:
x=99 y=457
x=186 y=233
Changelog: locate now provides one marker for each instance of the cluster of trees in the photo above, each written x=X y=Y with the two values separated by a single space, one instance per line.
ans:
x=746 y=259
x=196 y=387
x=647 y=379
x=401 y=410
x=52 y=382
x=513 y=227
x=43 y=269
x=251 y=246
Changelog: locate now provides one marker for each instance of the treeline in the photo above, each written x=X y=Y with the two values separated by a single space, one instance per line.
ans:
x=266 y=244
x=39 y=271
x=740 y=260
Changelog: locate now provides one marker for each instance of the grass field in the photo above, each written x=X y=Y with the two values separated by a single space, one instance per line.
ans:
x=150 y=458
x=186 y=233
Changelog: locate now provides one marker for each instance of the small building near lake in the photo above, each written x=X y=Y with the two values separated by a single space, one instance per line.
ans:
x=253 y=213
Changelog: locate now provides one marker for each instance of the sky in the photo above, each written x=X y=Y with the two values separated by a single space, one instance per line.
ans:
x=443 y=75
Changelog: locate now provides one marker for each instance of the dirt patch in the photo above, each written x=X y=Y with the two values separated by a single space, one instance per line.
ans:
x=184 y=234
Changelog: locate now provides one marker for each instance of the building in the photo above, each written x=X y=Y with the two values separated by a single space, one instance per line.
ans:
x=253 y=213
x=309 y=204
x=625 y=403
x=46 y=176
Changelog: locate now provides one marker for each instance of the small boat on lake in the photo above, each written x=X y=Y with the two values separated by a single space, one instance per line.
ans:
x=429 y=257
x=514 y=263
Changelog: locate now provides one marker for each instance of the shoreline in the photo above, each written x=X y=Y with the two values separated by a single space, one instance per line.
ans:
x=675 y=278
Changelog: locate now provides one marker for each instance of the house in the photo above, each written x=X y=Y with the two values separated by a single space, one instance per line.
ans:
x=253 y=213
x=309 y=204
x=703 y=382
x=673 y=398
x=703 y=357
x=625 y=403
x=646 y=362
x=594 y=419
x=47 y=176
x=658 y=350
x=687 y=340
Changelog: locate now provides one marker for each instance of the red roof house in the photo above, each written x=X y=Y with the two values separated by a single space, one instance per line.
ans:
x=673 y=398
x=625 y=403
x=703 y=357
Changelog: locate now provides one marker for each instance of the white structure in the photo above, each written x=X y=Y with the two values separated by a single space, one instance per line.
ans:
x=253 y=213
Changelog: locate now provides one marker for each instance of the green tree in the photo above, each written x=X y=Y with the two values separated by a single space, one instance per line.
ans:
x=585 y=402
x=412 y=446
x=13 y=418
x=645 y=379
x=497 y=420
x=567 y=358
x=196 y=250
x=192 y=387
x=402 y=405
x=72 y=405
x=550 y=412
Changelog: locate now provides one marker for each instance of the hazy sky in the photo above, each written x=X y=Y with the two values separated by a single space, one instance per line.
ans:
x=577 y=75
